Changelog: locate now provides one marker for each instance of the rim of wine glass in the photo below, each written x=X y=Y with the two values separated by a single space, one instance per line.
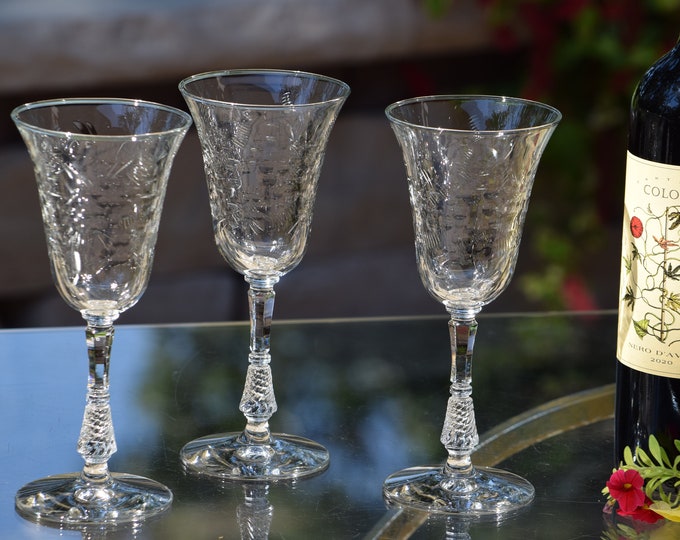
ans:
x=470 y=97
x=345 y=89
x=41 y=104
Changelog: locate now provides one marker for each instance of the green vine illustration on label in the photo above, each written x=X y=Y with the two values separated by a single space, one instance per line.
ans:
x=653 y=271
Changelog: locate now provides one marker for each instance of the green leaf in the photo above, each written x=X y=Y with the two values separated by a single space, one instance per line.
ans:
x=628 y=456
x=437 y=7
x=666 y=5
x=675 y=220
x=673 y=273
x=657 y=452
x=673 y=302
x=642 y=457
x=629 y=297
x=674 y=498
x=641 y=327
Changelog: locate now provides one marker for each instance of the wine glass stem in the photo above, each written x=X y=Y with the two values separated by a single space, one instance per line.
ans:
x=258 y=403
x=459 y=435
x=97 y=443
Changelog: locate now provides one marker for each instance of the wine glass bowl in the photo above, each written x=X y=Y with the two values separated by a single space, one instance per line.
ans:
x=470 y=163
x=101 y=167
x=100 y=258
x=263 y=135
x=469 y=189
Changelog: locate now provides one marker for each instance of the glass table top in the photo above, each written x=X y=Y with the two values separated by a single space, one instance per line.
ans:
x=372 y=391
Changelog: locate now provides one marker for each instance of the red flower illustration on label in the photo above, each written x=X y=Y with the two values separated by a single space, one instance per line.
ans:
x=636 y=227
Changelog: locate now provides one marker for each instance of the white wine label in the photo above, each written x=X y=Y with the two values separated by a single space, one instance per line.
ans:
x=649 y=296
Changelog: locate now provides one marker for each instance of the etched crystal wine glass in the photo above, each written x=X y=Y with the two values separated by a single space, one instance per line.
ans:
x=101 y=167
x=263 y=135
x=470 y=163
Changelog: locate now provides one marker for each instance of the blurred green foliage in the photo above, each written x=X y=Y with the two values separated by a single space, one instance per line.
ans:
x=583 y=57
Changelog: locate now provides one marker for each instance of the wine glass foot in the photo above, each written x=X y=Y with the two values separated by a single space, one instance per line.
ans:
x=68 y=501
x=486 y=492
x=230 y=456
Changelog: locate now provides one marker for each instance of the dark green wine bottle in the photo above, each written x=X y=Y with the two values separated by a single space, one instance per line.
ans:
x=648 y=370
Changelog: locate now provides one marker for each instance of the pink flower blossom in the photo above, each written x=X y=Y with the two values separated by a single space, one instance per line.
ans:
x=643 y=512
x=625 y=486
